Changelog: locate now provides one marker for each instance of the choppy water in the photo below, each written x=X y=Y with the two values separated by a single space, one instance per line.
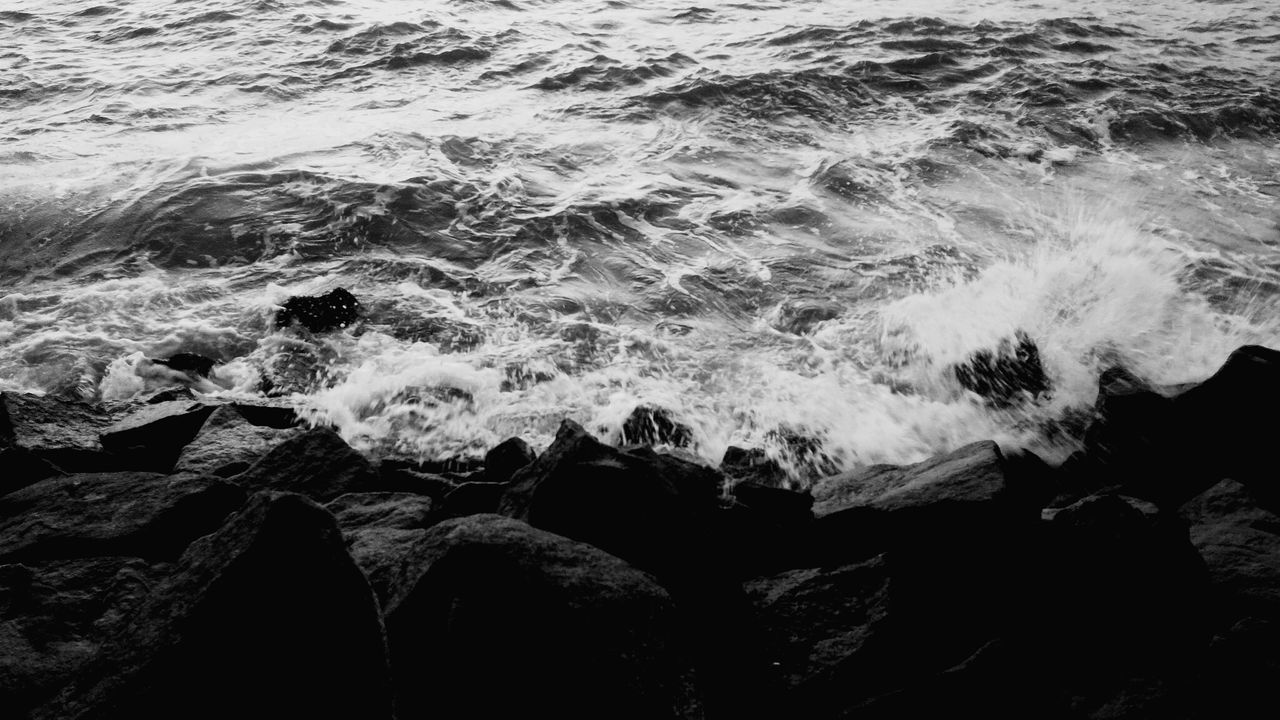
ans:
x=756 y=214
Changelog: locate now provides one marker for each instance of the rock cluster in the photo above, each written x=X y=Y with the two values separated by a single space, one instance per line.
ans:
x=188 y=560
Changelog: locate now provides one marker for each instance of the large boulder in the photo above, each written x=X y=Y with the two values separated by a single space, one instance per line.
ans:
x=641 y=506
x=489 y=617
x=653 y=425
x=506 y=458
x=153 y=435
x=23 y=467
x=317 y=463
x=62 y=432
x=1006 y=374
x=320 y=313
x=55 y=617
x=379 y=527
x=266 y=618
x=228 y=444
x=134 y=514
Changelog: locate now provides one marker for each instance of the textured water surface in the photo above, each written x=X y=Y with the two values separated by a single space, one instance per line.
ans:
x=773 y=218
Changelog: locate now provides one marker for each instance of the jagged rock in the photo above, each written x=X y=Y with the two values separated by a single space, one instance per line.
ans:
x=638 y=505
x=786 y=507
x=154 y=435
x=752 y=465
x=169 y=395
x=1010 y=372
x=320 y=313
x=800 y=317
x=23 y=467
x=804 y=450
x=63 y=432
x=55 y=617
x=764 y=530
x=266 y=618
x=134 y=514
x=316 y=463
x=228 y=444
x=279 y=417
x=589 y=635
x=505 y=458
x=190 y=363
x=473 y=498
x=651 y=425
x=398 y=476
x=379 y=527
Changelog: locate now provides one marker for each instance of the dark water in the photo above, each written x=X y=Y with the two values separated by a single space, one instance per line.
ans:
x=760 y=215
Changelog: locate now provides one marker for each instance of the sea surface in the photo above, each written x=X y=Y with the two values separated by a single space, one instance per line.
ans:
x=776 y=220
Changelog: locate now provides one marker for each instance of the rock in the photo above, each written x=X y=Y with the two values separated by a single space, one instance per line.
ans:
x=55 y=617
x=752 y=465
x=785 y=507
x=800 y=317
x=22 y=468
x=130 y=513
x=473 y=498
x=1009 y=373
x=320 y=313
x=316 y=463
x=190 y=363
x=561 y=628
x=380 y=527
x=227 y=444
x=266 y=618
x=280 y=417
x=170 y=395
x=396 y=476
x=63 y=432
x=505 y=458
x=1240 y=544
x=638 y=505
x=802 y=451
x=651 y=425
x=154 y=435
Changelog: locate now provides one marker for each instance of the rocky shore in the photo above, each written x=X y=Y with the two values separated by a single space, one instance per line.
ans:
x=183 y=559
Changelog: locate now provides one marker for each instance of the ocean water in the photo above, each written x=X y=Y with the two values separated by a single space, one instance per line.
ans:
x=770 y=218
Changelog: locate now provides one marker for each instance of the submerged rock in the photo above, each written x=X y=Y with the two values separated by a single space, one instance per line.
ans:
x=1007 y=374
x=320 y=313
x=267 y=618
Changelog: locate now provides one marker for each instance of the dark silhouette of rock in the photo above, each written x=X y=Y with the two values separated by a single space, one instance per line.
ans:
x=804 y=451
x=21 y=467
x=190 y=363
x=398 y=476
x=473 y=498
x=129 y=513
x=170 y=395
x=589 y=635
x=1007 y=374
x=652 y=425
x=764 y=530
x=320 y=313
x=379 y=528
x=63 y=432
x=227 y=444
x=316 y=463
x=786 y=507
x=153 y=436
x=505 y=458
x=279 y=417
x=752 y=465
x=55 y=617
x=266 y=618
x=638 y=505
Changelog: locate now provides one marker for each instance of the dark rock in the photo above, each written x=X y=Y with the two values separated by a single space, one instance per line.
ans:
x=752 y=465
x=785 y=507
x=800 y=317
x=320 y=313
x=91 y=515
x=272 y=416
x=227 y=444
x=508 y=456
x=153 y=436
x=1007 y=374
x=170 y=395
x=316 y=463
x=638 y=505
x=55 y=617
x=473 y=498
x=803 y=451
x=397 y=476
x=266 y=618
x=592 y=636
x=650 y=425
x=23 y=467
x=63 y=432
x=380 y=527
x=191 y=363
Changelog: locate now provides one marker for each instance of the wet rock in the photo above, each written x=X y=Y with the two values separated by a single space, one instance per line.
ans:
x=380 y=527
x=651 y=425
x=505 y=458
x=320 y=313
x=170 y=395
x=592 y=634
x=803 y=450
x=473 y=498
x=316 y=463
x=63 y=432
x=786 y=507
x=190 y=363
x=22 y=468
x=399 y=476
x=227 y=444
x=1008 y=374
x=752 y=465
x=764 y=530
x=55 y=617
x=153 y=436
x=280 y=417
x=800 y=317
x=129 y=513
x=266 y=618
x=638 y=505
